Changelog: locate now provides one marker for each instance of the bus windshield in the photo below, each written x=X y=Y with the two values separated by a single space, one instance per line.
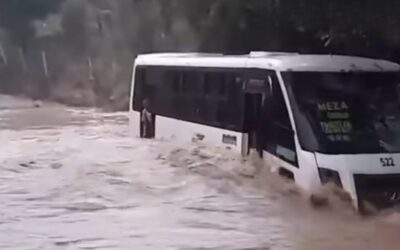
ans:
x=346 y=113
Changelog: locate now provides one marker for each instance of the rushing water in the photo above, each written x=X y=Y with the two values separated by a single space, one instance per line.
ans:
x=75 y=179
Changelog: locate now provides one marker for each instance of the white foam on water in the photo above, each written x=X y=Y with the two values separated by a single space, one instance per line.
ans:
x=82 y=183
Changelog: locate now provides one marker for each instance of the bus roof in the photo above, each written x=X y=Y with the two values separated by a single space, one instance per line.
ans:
x=280 y=61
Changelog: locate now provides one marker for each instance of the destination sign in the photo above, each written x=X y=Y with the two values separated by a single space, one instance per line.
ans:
x=335 y=120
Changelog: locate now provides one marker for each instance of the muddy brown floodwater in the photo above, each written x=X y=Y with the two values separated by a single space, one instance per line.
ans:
x=75 y=179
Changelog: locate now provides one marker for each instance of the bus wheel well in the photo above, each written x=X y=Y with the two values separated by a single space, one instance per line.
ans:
x=283 y=172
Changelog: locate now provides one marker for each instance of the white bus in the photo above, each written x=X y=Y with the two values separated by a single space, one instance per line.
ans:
x=314 y=118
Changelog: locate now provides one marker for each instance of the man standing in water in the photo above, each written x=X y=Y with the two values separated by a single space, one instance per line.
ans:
x=147 y=121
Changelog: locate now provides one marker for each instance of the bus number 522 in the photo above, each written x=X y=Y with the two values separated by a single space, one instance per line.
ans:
x=387 y=162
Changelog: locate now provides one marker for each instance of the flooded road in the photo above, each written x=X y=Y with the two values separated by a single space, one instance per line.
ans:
x=75 y=179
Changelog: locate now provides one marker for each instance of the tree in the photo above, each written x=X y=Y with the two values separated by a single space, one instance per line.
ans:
x=357 y=27
x=16 y=17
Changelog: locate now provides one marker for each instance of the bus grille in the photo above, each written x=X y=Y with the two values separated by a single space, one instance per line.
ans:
x=381 y=191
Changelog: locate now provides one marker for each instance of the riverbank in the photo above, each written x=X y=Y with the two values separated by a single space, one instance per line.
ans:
x=113 y=104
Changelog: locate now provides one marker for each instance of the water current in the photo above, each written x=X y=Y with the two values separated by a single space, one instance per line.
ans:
x=75 y=179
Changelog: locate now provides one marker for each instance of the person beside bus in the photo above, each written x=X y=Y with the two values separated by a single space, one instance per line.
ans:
x=147 y=120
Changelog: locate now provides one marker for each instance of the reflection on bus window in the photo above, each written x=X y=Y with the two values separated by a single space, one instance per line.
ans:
x=346 y=112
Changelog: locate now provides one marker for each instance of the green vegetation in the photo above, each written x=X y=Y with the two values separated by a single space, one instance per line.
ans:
x=82 y=54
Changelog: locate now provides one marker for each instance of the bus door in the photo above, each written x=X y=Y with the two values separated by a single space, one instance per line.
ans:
x=253 y=102
x=256 y=89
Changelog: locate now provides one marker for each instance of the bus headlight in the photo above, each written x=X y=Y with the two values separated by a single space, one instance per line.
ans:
x=329 y=176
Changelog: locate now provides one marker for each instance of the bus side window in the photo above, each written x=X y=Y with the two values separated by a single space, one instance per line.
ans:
x=210 y=97
x=173 y=81
x=194 y=81
x=198 y=95
x=206 y=84
x=279 y=134
x=187 y=95
x=215 y=84
x=153 y=81
x=139 y=89
x=229 y=109
x=177 y=102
